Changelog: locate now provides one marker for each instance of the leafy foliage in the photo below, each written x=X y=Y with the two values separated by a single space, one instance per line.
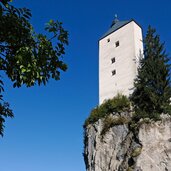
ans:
x=118 y=104
x=28 y=58
x=152 y=93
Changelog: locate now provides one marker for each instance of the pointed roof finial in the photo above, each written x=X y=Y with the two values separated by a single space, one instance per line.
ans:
x=115 y=20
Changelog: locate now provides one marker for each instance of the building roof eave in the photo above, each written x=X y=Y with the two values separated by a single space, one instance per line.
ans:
x=117 y=26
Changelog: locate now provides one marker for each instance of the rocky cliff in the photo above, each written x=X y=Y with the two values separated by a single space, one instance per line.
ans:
x=144 y=146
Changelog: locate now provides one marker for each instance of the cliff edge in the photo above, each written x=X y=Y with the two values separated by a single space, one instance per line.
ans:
x=142 y=146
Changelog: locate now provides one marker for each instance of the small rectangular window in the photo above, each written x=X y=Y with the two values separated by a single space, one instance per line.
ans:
x=117 y=44
x=113 y=72
x=108 y=40
x=113 y=60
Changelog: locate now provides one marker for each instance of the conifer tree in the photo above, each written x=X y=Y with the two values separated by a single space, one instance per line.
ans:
x=152 y=92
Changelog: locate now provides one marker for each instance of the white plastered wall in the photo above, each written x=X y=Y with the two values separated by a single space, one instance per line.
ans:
x=126 y=56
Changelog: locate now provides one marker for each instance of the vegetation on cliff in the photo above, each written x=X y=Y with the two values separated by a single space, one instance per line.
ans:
x=118 y=104
x=152 y=93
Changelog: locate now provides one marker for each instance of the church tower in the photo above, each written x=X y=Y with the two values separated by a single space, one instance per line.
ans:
x=119 y=52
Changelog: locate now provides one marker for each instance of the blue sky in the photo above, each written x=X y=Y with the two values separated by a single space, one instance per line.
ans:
x=46 y=133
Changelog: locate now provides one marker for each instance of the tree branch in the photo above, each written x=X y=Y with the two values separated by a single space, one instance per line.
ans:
x=2 y=54
x=3 y=46
x=52 y=37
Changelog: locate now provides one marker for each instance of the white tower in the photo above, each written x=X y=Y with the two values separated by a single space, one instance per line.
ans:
x=119 y=53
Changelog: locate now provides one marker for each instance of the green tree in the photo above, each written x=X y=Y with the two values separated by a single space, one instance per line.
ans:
x=152 y=93
x=28 y=58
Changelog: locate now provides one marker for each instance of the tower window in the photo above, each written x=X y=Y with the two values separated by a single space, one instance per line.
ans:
x=113 y=72
x=113 y=60
x=117 y=44
x=108 y=40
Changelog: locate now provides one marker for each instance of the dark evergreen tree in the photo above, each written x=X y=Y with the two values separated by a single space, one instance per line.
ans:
x=152 y=93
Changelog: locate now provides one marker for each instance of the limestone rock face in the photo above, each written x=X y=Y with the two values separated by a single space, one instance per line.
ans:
x=124 y=149
x=156 y=151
